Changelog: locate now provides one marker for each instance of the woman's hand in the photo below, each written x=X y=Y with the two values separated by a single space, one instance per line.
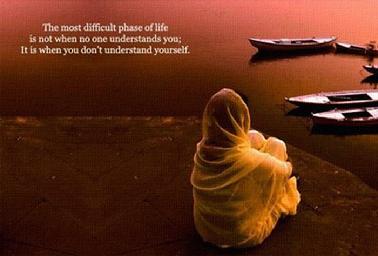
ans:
x=276 y=148
x=257 y=139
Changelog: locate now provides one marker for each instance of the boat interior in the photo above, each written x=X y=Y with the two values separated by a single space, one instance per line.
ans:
x=287 y=41
x=357 y=114
x=352 y=97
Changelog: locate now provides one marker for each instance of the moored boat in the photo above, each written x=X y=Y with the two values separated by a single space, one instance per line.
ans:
x=369 y=49
x=355 y=117
x=337 y=99
x=371 y=69
x=351 y=48
x=372 y=52
x=292 y=44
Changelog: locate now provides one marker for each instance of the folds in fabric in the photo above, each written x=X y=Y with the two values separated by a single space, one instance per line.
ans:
x=241 y=181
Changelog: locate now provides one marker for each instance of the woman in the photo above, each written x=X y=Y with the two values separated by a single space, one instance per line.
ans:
x=241 y=181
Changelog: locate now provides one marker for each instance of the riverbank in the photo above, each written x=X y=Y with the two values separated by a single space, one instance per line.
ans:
x=120 y=186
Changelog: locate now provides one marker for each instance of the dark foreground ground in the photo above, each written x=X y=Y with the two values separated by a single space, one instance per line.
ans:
x=120 y=186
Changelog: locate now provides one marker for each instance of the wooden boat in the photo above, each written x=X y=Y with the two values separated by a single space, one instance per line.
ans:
x=372 y=52
x=292 y=44
x=371 y=69
x=356 y=117
x=351 y=48
x=369 y=49
x=337 y=99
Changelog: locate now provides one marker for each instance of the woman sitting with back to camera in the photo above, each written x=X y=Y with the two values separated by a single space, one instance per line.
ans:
x=241 y=181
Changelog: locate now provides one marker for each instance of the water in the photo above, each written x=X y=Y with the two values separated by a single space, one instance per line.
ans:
x=217 y=32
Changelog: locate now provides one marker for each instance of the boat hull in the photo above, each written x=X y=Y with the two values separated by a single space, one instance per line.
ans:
x=341 y=99
x=275 y=45
x=350 y=123
x=349 y=48
x=356 y=49
x=373 y=53
x=336 y=118
x=332 y=105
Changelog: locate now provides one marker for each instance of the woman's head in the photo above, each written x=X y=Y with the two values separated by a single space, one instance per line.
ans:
x=225 y=119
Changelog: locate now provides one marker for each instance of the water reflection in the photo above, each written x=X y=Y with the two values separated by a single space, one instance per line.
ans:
x=354 y=54
x=343 y=131
x=272 y=56
x=181 y=85
x=371 y=80
x=301 y=112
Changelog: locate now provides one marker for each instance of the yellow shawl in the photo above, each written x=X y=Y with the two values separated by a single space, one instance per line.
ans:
x=241 y=181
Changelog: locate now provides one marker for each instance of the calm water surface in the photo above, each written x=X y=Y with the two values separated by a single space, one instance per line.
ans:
x=217 y=32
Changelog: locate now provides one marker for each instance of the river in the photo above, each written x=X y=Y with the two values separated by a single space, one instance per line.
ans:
x=220 y=56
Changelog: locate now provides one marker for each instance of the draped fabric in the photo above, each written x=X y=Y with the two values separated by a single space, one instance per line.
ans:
x=241 y=181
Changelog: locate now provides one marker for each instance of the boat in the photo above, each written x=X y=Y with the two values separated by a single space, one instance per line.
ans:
x=292 y=44
x=355 y=117
x=371 y=69
x=350 y=98
x=369 y=49
x=351 y=48
x=372 y=52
